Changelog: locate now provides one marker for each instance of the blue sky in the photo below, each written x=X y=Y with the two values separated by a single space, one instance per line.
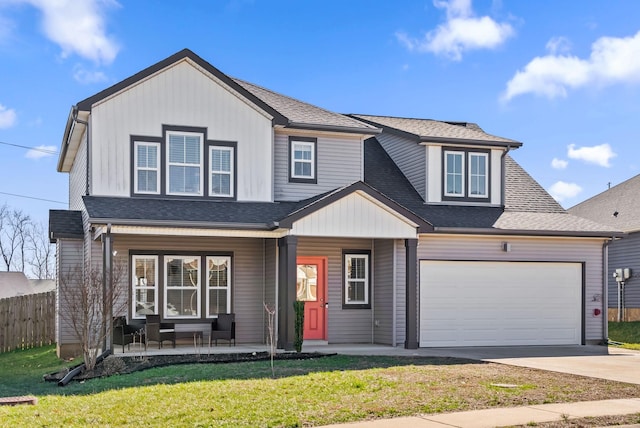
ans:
x=561 y=77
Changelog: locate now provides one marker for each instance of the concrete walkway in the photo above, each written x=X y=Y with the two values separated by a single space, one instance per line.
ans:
x=503 y=417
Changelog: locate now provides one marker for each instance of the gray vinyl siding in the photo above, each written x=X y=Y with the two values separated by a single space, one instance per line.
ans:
x=270 y=279
x=340 y=163
x=78 y=177
x=248 y=283
x=410 y=158
x=344 y=325
x=69 y=261
x=537 y=249
x=383 y=295
x=401 y=291
x=625 y=253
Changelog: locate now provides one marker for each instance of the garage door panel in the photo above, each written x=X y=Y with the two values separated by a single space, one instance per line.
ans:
x=500 y=303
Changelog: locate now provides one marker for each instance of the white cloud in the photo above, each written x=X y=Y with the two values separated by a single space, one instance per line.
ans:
x=41 y=152
x=599 y=155
x=559 y=163
x=612 y=60
x=558 y=44
x=84 y=76
x=461 y=32
x=561 y=190
x=8 y=117
x=78 y=27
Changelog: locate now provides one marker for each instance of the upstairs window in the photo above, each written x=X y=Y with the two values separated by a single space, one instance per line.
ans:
x=184 y=164
x=303 y=165
x=221 y=175
x=454 y=175
x=466 y=175
x=147 y=167
x=478 y=183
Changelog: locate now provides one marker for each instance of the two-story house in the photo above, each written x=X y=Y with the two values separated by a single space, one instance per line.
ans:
x=220 y=196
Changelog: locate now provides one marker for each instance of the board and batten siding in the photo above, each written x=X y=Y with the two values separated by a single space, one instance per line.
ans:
x=69 y=254
x=410 y=158
x=248 y=268
x=344 y=325
x=180 y=95
x=340 y=163
x=540 y=249
x=78 y=177
x=625 y=253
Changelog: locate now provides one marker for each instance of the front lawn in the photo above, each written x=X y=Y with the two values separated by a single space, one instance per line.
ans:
x=310 y=392
x=627 y=333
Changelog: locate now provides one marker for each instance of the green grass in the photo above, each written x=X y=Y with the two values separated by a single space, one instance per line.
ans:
x=627 y=333
x=312 y=392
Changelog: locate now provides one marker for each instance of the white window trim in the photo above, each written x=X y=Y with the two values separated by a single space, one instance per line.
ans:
x=312 y=162
x=169 y=164
x=166 y=288
x=230 y=173
x=137 y=168
x=364 y=280
x=228 y=287
x=446 y=174
x=485 y=194
x=135 y=287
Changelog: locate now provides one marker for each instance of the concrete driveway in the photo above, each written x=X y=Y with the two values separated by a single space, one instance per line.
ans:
x=591 y=360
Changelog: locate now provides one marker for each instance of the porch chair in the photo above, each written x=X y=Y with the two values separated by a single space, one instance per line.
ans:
x=224 y=327
x=159 y=332
x=125 y=334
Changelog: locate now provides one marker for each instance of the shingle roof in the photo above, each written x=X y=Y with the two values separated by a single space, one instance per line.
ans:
x=523 y=193
x=427 y=129
x=618 y=207
x=302 y=113
x=65 y=224
x=14 y=284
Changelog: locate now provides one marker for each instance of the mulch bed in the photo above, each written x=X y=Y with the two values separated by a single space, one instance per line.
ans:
x=113 y=365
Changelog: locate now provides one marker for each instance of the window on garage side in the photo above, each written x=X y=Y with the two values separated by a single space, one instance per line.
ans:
x=218 y=285
x=478 y=183
x=182 y=286
x=454 y=174
x=144 y=285
x=357 y=285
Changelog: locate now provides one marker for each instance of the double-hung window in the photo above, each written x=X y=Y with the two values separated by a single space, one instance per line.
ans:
x=147 y=167
x=182 y=287
x=303 y=160
x=218 y=285
x=184 y=164
x=144 y=291
x=454 y=174
x=466 y=175
x=221 y=171
x=356 y=279
x=478 y=183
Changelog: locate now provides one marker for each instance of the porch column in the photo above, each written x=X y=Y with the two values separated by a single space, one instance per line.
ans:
x=107 y=288
x=411 y=330
x=288 y=247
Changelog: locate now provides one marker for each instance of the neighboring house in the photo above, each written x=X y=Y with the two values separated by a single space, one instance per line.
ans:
x=619 y=208
x=14 y=284
x=220 y=196
x=43 y=285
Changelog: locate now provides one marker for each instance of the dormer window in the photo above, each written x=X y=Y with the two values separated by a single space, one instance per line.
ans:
x=466 y=175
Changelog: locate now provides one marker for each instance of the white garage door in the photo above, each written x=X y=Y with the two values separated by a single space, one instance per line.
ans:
x=500 y=303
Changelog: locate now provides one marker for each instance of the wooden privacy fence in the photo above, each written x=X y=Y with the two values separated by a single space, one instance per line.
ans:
x=27 y=321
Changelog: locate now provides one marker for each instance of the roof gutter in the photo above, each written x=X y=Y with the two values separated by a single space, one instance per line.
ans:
x=524 y=232
x=333 y=128
x=190 y=224
x=470 y=142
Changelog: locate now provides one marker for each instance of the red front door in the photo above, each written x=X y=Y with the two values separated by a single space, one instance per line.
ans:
x=311 y=287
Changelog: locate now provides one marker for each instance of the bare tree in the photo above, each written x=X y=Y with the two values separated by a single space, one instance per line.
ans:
x=89 y=298
x=42 y=255
x=15 y=227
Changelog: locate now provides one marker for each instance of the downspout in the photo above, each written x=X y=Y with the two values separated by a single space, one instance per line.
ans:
x=605 y=290
x=394 y=284
x=85 y=123
x=504 y=175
